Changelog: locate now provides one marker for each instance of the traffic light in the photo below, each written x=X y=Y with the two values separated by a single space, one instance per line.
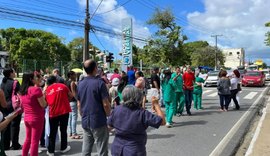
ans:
x=109 y=58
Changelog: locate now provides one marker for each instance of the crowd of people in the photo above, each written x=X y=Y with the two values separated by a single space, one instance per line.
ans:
x=115 y=104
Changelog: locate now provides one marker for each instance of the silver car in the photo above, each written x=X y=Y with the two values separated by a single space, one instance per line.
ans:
x=212 y=79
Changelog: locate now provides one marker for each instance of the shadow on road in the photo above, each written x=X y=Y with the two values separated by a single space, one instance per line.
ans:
x=159 y=136
x=189 y=123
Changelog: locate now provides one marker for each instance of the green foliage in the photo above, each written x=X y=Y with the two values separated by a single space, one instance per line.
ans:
x=267 y=40
x=165 y=48
x=201 y=54
x=32 y=44
x=76 y=48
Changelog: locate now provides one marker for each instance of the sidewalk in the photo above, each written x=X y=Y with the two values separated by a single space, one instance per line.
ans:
x=260 y=144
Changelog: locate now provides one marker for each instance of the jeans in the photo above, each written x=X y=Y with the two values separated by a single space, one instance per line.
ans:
x=224 y=101
x=188 y=99
x=73 y=115
x=233 y=96
x=61 y=120
x=33 y=133
x=101 y=135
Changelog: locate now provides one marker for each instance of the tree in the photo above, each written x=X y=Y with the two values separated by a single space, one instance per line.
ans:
x=267 y=40
x=76 y=48
x=166 y=46
x=33 y=44
x=202 y=54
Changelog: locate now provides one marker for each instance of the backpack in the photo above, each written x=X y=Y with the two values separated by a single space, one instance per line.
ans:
x=16 y=99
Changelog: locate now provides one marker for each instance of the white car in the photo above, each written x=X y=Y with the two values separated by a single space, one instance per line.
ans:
x=212 y=79
x=267 y=74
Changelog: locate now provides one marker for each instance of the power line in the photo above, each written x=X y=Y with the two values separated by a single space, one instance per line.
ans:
x=99 y=41
x=117 y=7
x=154 y=6
x=96 y=9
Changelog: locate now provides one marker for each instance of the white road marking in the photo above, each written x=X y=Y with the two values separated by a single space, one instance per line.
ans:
x=258 y=130
x=207 y=91
x=213 y=94
x=224 y=142
x=251 y=95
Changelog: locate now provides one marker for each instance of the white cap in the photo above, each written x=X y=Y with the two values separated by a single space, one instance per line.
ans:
x=115 y=82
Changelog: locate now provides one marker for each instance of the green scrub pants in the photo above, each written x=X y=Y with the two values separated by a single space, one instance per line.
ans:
x=170 y=107
x=180 y=102
x=197 y=99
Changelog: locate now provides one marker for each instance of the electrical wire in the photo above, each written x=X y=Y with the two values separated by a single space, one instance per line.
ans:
x=96 y=9
x=117 y=7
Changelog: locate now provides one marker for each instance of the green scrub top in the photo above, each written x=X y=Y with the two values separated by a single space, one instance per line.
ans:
x=197 y=88
x=178 y=82
x=169 y=91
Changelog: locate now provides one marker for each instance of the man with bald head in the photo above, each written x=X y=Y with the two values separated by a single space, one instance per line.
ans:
x=94 y=107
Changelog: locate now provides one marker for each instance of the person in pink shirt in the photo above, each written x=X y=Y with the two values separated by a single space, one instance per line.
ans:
x=33 y=103
x=116 y=74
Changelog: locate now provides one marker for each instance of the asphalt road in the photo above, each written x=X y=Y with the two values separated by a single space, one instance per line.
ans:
x=196 y=135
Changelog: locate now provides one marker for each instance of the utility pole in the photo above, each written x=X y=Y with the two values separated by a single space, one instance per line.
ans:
x=86 y=33
x=216 y=37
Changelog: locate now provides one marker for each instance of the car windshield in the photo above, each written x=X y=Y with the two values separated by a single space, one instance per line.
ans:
x=213 y=74
x=252 y=74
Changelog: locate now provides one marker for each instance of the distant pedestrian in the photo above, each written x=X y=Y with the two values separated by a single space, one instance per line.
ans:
x=11 y=133
x=131 y=121
x=115 y=74
x=123 y=83
x=33 y=103
x=131 y=76
x=73 y=115
x=223 y=87
x=235 y=88
x=94 y=107
x=140 y=83
x=56 y=73
x=180 y=97
x=57 y=96
x=115 y=99
x=189 y=79
x=169 y=97
x=197 y=92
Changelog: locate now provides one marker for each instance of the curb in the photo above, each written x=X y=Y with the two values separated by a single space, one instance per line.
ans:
x=232 y=141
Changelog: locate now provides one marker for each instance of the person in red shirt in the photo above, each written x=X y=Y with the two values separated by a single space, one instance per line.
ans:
x=188 y=78
x=57 y=96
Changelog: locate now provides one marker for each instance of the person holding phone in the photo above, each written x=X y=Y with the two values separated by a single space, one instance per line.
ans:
x=33 y=103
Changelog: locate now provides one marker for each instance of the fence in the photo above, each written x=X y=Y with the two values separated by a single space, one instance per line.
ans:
x=33 y=65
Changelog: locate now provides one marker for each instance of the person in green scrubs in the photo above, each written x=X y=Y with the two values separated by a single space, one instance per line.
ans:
x=197 y=92
x=169 y=97
x=179 y=97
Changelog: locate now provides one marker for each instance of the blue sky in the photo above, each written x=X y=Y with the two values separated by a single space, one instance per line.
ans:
x=240 y=22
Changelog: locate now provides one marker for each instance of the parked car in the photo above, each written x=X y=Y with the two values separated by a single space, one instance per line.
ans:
x=253 y=78
x=212 y=79
x=267 y=74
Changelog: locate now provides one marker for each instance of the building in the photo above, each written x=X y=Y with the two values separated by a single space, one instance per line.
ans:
x=234 y=57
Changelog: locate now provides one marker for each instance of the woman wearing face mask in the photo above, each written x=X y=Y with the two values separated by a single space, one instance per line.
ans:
x=33 y=103
x=234 y=89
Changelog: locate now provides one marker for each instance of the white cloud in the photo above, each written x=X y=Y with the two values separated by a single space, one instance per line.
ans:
x=240 y=21
x=73 y=33
x=115 y=18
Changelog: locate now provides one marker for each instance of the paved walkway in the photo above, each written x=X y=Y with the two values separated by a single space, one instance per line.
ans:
x=260 y=144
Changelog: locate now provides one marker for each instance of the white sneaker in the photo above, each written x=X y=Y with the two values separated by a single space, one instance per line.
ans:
x=168 y=125
x=50 y=154
x=66 y=150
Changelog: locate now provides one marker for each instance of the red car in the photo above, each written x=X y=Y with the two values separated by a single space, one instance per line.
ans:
x=253 y=78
